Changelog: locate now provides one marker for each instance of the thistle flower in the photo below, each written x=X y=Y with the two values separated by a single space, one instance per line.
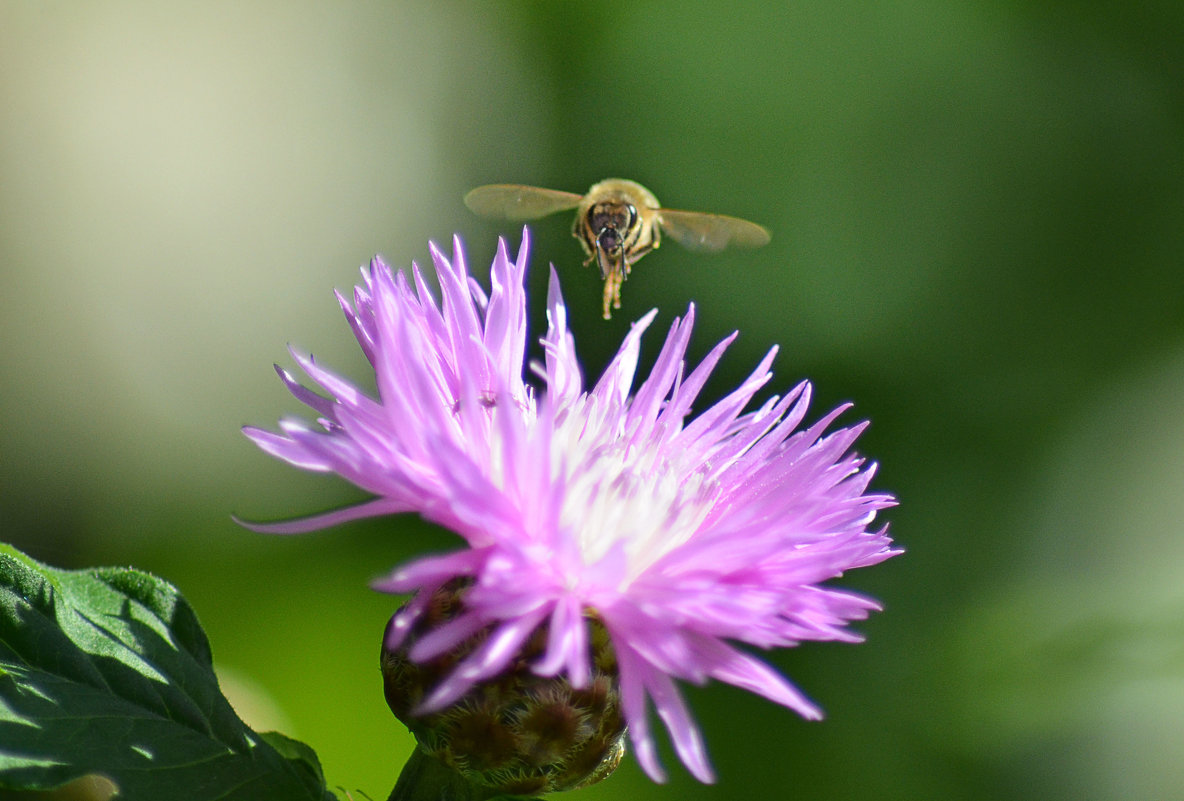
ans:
x=609 y=510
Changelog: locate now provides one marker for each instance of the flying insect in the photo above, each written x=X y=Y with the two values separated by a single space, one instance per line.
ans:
x=617 y=222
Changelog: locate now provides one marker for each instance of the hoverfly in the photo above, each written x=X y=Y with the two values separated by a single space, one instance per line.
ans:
x=617 y=223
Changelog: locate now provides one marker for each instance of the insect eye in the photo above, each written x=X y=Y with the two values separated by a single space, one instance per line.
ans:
x=632 y=214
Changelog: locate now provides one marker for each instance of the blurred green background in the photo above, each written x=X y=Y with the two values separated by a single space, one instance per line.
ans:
x=978 y=235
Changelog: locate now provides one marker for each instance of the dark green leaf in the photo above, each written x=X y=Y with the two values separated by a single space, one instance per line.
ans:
x=296 y=752
x=107 y=671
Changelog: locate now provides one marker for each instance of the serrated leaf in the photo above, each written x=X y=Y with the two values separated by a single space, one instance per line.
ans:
x=107 y=671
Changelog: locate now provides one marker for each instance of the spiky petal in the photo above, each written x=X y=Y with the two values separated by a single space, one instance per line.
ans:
x=682 y=534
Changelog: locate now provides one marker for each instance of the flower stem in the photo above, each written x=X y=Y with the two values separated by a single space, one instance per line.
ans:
x=425 y=778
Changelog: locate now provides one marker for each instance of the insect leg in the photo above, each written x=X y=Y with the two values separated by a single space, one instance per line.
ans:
x=612 y=293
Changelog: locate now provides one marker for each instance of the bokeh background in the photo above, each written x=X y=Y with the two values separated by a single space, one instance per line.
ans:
x=978 y=236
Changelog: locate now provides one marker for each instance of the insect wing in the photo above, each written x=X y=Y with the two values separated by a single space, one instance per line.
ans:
x=515 y=202
x=698 y=231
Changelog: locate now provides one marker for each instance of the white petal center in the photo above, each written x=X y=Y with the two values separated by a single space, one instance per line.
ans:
x=622 y=489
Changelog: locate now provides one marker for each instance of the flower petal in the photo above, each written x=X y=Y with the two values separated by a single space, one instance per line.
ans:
x=683 y=535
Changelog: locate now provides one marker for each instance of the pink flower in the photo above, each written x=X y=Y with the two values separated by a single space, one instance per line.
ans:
x=683 y=534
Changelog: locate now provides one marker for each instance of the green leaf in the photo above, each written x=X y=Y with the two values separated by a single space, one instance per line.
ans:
x=107 y=671
x=297 y=753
